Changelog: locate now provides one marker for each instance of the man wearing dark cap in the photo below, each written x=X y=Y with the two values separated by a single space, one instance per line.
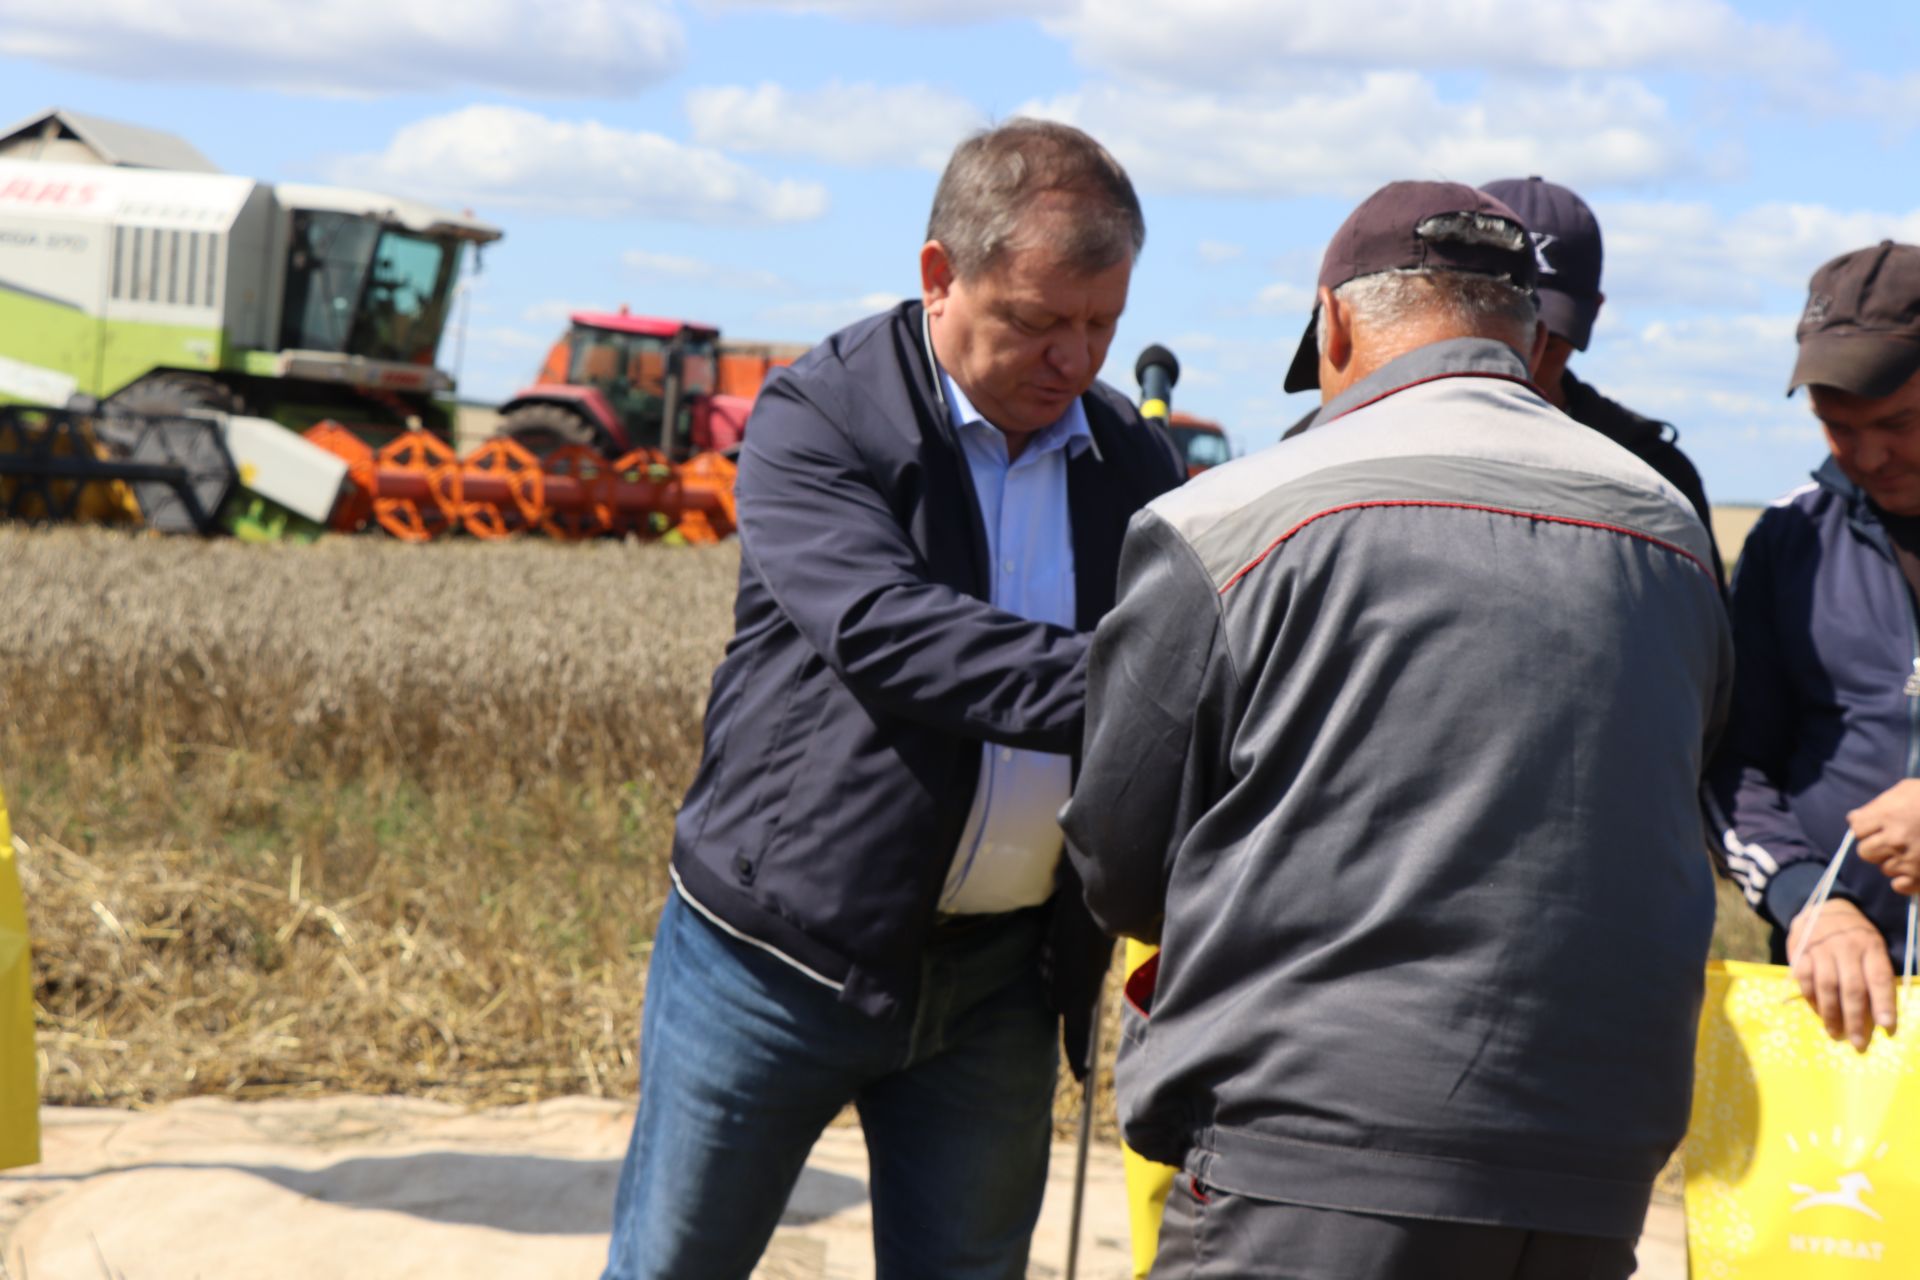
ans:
x=1393 y=741
x=1824 y=737
x=1567 y=256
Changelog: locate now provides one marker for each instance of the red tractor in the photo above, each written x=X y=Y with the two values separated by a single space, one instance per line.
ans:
x=1202 y=443
x=620 y=382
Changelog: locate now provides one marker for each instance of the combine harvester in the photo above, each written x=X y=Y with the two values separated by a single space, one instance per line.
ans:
x=149 y=302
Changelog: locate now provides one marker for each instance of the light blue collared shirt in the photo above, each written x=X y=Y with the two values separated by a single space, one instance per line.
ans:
x=1011 y=846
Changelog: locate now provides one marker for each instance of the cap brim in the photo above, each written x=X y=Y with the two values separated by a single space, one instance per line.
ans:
x=1567 y=316
x=1866 y=364
x=1304 y=373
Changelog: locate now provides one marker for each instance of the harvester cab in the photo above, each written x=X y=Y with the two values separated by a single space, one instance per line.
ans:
x=176 y=292
x=618 y=382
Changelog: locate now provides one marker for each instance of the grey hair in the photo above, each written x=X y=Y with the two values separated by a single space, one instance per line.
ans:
x=1472 y=302
x=999 y=176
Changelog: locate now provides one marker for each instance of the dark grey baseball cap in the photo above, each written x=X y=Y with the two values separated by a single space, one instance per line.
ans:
x=1413 y=226
x=1860 y=331
x=1566 y=246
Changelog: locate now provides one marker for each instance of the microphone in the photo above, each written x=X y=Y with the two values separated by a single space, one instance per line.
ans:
x=1156 y=371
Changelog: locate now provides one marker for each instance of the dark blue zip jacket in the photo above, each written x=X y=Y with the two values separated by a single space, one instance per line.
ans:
x=1822 y=721
x=845 y=723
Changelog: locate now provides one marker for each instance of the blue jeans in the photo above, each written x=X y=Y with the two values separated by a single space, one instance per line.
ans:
x=744 y=1060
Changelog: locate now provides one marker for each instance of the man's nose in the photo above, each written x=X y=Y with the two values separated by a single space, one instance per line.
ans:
x=1869 y=454
x=1070 y=354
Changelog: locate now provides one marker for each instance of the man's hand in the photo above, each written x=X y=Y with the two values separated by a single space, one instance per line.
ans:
x=1887 y=832
x=1844 y=970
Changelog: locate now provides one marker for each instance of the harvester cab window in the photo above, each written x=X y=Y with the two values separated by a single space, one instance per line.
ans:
x=356 y=287
x=402 y=310
x=325 y=267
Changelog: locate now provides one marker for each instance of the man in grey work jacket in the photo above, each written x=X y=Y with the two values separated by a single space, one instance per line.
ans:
x=1392 y=743
x=869 y=901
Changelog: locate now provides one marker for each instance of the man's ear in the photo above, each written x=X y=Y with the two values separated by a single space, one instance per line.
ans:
x=1337 y=353
x=936 y=276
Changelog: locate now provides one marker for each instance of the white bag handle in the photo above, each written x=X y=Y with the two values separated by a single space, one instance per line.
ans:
x=1825 y=889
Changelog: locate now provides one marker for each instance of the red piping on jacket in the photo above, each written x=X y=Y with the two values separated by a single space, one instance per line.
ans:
x=1541 y=516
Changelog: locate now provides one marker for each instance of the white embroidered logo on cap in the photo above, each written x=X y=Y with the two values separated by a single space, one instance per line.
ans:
x=1541 y=239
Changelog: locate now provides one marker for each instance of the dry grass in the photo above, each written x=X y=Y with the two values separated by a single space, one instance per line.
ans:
x=352 y=816
x=459 y=661
x=355 y=816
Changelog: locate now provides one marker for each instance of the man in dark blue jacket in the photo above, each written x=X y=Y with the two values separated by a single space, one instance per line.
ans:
x=1824 y=736
x=869 y=903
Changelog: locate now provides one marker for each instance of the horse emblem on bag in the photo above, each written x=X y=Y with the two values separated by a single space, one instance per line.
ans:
x=1849 y=1194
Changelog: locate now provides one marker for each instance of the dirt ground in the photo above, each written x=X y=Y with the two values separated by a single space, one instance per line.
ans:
x=395 y=1188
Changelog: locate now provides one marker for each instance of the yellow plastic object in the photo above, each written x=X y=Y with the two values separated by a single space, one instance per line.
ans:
x=19 y=1088
x=1148 y=1181
x=1803 y=1158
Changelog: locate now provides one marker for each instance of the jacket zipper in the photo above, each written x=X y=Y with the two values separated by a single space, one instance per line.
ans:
x=1912 y=690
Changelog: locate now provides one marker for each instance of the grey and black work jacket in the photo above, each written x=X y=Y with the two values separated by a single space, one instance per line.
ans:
x=1393 y=740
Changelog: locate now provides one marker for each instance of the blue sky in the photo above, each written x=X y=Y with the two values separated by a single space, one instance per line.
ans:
x=766 y=165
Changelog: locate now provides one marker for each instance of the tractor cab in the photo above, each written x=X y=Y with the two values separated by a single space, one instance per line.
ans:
x=1202 y=444
x=617 y=382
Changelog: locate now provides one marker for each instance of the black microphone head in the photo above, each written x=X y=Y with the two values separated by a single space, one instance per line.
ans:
x=1156 y=355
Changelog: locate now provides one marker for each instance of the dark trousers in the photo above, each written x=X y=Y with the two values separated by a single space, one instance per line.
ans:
x=1208 y=1234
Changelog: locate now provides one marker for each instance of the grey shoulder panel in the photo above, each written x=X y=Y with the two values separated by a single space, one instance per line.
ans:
x=1469 y=443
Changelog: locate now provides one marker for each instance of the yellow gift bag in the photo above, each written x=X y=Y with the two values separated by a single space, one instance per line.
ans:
x=19 y=1091
x=1803 y=1157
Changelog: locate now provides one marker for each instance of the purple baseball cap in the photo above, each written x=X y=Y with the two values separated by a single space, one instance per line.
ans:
x=1567 y=253
x=1414 y=226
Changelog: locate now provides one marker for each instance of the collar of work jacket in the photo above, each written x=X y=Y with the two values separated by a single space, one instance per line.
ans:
x=1453 y=358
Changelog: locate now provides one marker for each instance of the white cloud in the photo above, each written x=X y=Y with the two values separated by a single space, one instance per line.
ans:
x=557 y=311
x=906 y=12
x=817 y=318
x=511 y=157
x=1214 y=42
x=1285 y=298
x=604 y=47
x=1689 y=253
x=1216 y=252
x=1349 y=139
x=675 y=269
x=858 y=125
x=505 y=338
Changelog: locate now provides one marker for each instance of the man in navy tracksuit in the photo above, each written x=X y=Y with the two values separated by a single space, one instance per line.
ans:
x=1825 y=731
x=869 y=902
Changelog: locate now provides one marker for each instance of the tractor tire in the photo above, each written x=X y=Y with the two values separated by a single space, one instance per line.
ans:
x=172 y=392
x=542 y=428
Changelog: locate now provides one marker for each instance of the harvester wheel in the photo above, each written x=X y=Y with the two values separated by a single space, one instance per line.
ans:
x=170 y=391
x=590 y=512
x=542 y=428
x=430 y=465
x=353 y=510
x=503 y=489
